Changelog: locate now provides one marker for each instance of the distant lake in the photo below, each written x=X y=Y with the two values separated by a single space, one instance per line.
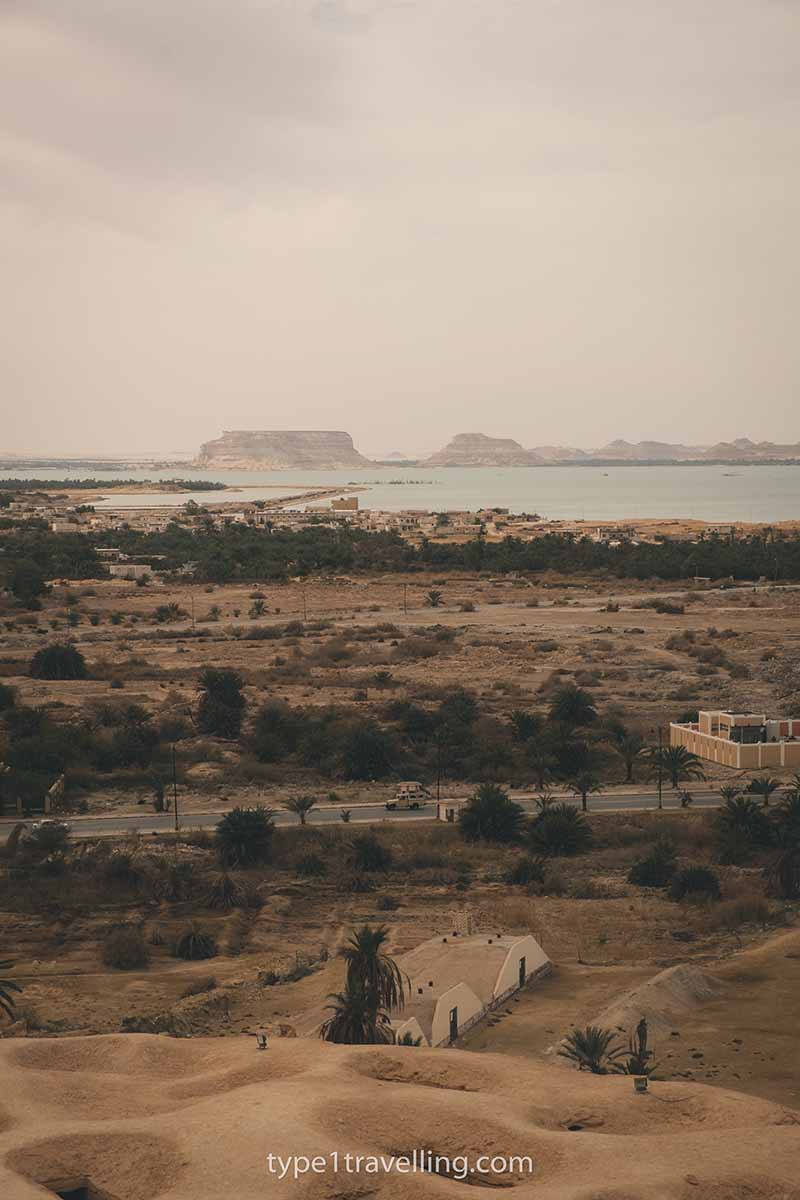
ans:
x=709 y=493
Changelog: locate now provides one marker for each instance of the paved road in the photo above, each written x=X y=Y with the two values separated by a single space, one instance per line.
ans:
x=361 y=813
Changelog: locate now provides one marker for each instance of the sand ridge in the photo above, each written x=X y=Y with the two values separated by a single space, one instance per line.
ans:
x=229 y=1105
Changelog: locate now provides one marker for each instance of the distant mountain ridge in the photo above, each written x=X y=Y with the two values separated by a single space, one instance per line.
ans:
x=330 y=450
x=479 y=450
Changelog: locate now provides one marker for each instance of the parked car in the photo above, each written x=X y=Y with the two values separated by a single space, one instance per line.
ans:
x=409 y=795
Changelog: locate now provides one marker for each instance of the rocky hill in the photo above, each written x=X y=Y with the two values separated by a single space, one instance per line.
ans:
x=646 y=451
x=561 y=453
x=479 y=450
x=741 y=449
x=280 y=450
x=748 y=451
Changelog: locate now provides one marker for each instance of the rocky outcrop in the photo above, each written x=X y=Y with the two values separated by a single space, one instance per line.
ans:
x=561 y=453
x=747 y=451
x=280 y=450
x=479 y=450
x=646 y=451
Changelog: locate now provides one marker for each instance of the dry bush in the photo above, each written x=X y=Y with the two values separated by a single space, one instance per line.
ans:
x=748 y=908
x=206 y=983
x=514 y=914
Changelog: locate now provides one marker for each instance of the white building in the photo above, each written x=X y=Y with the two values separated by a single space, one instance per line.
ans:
x=457 y=979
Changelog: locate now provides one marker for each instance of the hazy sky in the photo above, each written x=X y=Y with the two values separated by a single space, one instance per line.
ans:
x=555 y=220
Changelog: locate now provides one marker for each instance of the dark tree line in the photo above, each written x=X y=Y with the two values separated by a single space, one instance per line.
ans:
x=242 y=553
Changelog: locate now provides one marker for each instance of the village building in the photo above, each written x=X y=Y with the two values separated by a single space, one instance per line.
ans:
x=741 y=740
x=458 y=978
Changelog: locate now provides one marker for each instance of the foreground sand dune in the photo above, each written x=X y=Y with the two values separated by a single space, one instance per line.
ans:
x=144 y=1116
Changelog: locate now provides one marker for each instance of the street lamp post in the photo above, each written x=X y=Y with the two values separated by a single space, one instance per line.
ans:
x=175 y=788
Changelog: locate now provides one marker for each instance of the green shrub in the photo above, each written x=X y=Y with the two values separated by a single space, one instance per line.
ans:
x=560 y=830
x=368 y=853
x=58 y=661
x=657 y=869
x=527 y=870
x=195 y=944
x=490 y=815
x=695 y=882
x=312 y=865
x=222 y=891
x=244 y=836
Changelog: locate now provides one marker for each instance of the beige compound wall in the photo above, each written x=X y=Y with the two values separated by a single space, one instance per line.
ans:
x=734 y=754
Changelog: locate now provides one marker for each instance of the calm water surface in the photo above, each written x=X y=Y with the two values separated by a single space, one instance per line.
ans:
x=711 y=493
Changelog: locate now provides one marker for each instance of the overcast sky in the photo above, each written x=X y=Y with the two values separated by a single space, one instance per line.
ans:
x=555 y=220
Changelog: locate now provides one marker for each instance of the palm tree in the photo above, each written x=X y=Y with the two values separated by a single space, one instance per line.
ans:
x=730 y=791
x=524 y=725
x=545 y=799
x=373 y=972
x=788 y=812
x=541 y=762
x=301 y=806
x=763 y=786
x=592 y=1049
x=640 y=1056
x=354 y=1022
x=785 y=870
x=573 y=706
x=7 y=986
x=631 y=747
x=244 y=836
x=491 y=816
x=744 y=824
x=677 y=763
x=584 y=784
x=560 y=829
x=434 y=598
x=13 y=840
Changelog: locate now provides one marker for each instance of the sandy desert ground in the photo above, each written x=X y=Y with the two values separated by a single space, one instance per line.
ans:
x=141 y=1116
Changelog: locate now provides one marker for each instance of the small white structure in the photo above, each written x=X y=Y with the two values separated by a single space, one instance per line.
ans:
x=456 y=980
x=129 y=570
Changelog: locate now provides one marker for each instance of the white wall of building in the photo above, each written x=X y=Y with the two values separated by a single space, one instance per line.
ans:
x=508 y=976
x=469 y=1008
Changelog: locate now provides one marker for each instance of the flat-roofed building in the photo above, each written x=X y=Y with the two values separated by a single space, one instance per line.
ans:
x=741 y=740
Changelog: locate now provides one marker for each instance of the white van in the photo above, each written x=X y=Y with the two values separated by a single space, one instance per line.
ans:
x=409 y=795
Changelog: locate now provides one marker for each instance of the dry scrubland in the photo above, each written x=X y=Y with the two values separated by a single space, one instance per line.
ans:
x=276 y=935
x=195 y=1123
x=362 y=643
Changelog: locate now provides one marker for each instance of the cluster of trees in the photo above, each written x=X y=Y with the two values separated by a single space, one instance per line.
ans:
x=568 y=743
x=37 y=748
x=557 y=828
x=239 y=552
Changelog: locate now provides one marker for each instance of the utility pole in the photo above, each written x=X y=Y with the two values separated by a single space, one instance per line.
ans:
x=305 y=607
x=191 y=593
x=660 y=769
x=405 y=598
x=175 y=788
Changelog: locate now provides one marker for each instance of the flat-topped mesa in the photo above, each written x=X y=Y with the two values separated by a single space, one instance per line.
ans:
x=280 y=450
x=479 y=450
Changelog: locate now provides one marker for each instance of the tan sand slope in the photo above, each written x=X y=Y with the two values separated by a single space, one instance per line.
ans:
x=663 y=1000
x=144 y=1116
